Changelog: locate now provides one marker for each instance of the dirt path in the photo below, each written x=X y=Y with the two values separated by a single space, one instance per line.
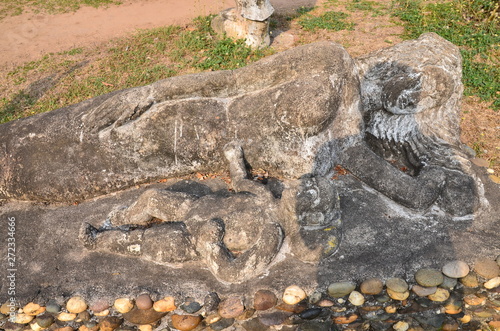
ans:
x=26 y=37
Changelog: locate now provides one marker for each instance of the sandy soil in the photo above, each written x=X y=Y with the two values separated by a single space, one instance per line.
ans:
x=26 y=37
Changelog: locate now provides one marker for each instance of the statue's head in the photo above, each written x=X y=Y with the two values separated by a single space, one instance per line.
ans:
x=312 y=205
x=317 y=203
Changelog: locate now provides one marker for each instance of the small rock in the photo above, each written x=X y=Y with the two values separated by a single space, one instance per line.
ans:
x=495 y=325
x=498 y=260
x=296 y=309
x=35 y=327
x=222 y=324
x=21 y=318
x=429 y=277
x=316 y=326
x=356 y=298
x=33 y=309
x=190 y=306
x=165 y=305
x=99 y=305
x=340 y=289
x=248 y=313
x=456 y=269
x=429 y=320
x=66 y=317
x=212 y=318
x=450 y=326
x=494 y=179
x=293 y=295
x=480 y=162
x=185 y=322
x=440 y=295
x=315 y=297
x=123 y=305
x=211 y=302
x=76 y=305
x=449 y=283
x=382 y=298
x=103 y=313
x=142 y=316
x=465 y=319
x=325 y=303
x=231 y=307
x=474 y=300
x=6 y=308
x=470 y=280
x=254 y=325
x=400 y=296
x=84 y=316
x=144 y=301
x=110 y=323
x=487 y=268
x=52 y=307
x=310 y=314
x=492 y=283
x=484 y=313
x=372 y=286
x=397 y=285
x=345 y=319
x=453 y=305
x=65 y=328
x=422 y=291
x=390 y=309
x=9 y=326
x=275 y=318
x=401 y=326
x=146 y=327
x=44 y=321
x=264 y=299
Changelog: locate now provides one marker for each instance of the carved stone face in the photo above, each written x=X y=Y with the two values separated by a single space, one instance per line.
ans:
x=317 y=204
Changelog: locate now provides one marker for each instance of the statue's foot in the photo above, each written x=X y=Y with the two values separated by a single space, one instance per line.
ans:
x=88 y=235
x=117 y=217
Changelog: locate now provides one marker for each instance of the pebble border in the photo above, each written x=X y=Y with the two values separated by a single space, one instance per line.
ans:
x=453 y=298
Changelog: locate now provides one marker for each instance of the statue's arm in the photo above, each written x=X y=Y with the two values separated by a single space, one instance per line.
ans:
x=417 y=192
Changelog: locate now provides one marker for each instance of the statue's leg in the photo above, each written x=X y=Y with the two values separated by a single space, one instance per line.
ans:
x=239 y=176
x=223 y=264
x=163 y=243
x=154 y=203
x=115 y=241
x=417 y=192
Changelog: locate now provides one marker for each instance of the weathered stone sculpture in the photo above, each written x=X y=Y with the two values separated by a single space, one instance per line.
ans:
x=237 y=235
x=297 y=113
x=305 y=115
x=411 y=107
x=249 y=21
x=282 y=110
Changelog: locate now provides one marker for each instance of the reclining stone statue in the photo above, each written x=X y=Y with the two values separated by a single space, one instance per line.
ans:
x=237 y=235
x=297 y=114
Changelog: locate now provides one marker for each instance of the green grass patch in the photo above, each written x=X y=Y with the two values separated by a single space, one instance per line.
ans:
x=141 y=59
x=17 y=7
x=330 y=20
x=375 y=8
x=474 y=26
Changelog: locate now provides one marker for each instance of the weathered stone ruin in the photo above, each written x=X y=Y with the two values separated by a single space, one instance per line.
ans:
x=249 y=21
x=361 y=152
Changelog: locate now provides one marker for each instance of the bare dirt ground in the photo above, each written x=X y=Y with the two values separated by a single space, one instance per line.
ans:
x=27 y=37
